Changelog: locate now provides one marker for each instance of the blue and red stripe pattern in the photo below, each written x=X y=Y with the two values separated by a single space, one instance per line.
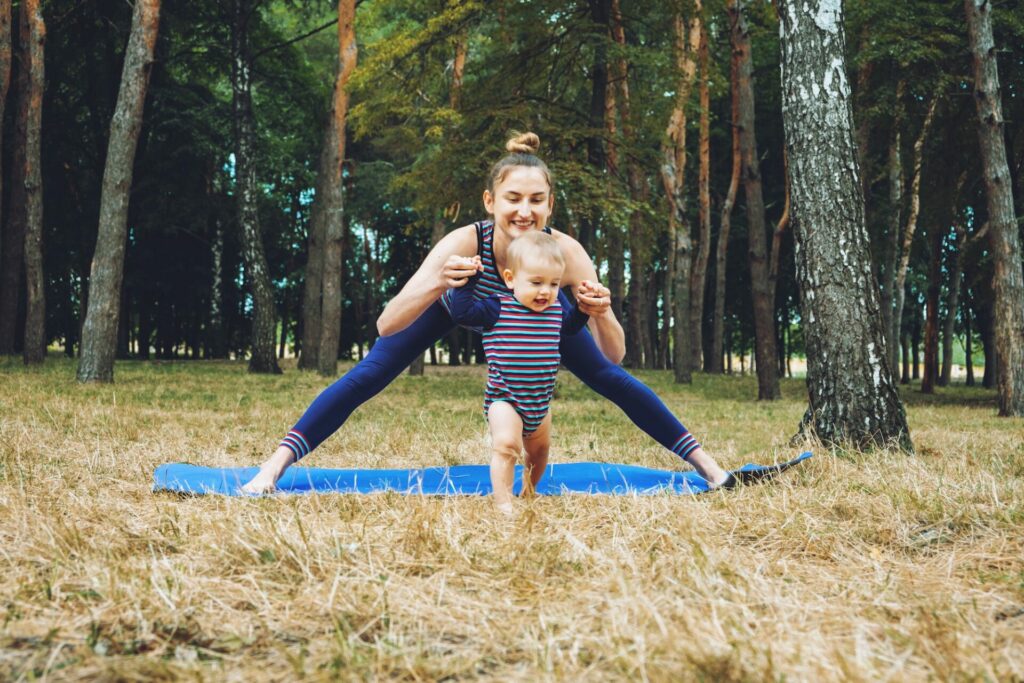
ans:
x=522 y=359
x=685 y=445
x=296 y=443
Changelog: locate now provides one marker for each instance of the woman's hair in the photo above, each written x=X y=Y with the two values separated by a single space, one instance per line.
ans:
x=522 y=150
x=534 y=246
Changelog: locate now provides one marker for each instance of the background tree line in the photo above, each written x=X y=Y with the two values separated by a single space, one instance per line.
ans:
x=272 y=187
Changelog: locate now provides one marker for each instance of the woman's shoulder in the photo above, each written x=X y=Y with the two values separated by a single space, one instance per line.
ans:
x=462 y=240
x=571 y=247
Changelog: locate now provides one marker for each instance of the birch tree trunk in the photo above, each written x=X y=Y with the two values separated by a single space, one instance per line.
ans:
x=96 y=363
x=334 y=224
x=757 y=248
x=673 y=170
x=713 y=363
x=1004 y=238
x=852 y=394
x=35 y=302
x=263 y=358
x=698 y=281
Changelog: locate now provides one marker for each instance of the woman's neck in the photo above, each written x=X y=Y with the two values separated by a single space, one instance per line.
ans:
x=499 y=248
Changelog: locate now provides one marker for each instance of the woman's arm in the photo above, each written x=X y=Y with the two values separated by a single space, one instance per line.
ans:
x=593 y=299
x=448 y=264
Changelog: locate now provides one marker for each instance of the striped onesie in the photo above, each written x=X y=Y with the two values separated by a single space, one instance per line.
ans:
x=521 y=346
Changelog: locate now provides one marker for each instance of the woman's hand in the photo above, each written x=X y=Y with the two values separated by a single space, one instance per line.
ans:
x=593 y=298
x=458 y=269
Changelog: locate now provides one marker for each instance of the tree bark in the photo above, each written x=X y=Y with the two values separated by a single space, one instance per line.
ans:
x=334 y=231
x=12 y=260
x=891 y=252
x=757 y=249
x=612 y=230
x=673 y=171
x=853 y=397
x=312 y=289
x=639 y=349
x=217 y=337
x=1004 y=234
x=34 y=350
x=5 y=78
x=955 y=279
x=263 y=359
x=899 y=288
x=931 y=324
x=96 y=363
x=698 y=281
x=713 y=363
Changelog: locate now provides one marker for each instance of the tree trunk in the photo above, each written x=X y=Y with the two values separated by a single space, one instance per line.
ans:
x=312 y=289
x=613 y=231
x=699 y=277
x=599 y=15
x=334 y=231
x=891 y=252
x=639 y=350
x=904 y=246
x=764 y=308
x=12 y=260
x=34 y=34
x=968 y=343
x=217 y=337
x=955 y=279
x=673 y=171
x=915 y=345
x=96 y=363
x=257 y=273
x=853 y=397
x=1004 y=233
x=5 y=82
x=931 y=324
x=713 y=363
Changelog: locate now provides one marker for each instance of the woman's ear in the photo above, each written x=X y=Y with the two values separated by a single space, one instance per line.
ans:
x=508 y=276
x=488 y=202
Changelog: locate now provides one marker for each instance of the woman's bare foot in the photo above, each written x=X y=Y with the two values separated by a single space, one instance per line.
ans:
x=707 y=468
x=265 y=480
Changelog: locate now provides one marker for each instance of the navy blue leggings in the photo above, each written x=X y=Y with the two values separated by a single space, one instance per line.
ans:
x=392 y=354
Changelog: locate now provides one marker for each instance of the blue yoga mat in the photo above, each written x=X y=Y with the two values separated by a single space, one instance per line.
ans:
x=459 y=480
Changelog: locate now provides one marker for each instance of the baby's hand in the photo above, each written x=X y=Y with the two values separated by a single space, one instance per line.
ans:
x=458 y=269
x=593 y=298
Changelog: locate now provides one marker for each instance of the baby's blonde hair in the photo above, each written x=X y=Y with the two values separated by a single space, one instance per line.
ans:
x=532 y=246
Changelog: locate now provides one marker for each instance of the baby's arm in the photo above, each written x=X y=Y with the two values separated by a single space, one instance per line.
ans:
x=467 y=310
x=573 y=319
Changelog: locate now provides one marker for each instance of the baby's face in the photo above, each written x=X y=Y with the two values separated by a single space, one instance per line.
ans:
x=536 y=284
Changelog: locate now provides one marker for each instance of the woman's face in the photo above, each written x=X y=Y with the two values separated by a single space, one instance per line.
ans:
x=521 y=202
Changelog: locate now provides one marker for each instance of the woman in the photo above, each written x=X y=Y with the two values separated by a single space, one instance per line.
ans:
x=519 y=198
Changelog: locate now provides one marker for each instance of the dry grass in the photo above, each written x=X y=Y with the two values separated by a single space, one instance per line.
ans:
x=853 y=567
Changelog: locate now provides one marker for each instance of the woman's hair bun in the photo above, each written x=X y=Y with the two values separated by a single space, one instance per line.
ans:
x=523 y=143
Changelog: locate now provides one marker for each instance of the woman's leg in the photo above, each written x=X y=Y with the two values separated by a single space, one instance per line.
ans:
x=385 y=361
x=582 y=357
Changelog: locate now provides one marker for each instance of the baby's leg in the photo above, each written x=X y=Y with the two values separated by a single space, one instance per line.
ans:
x=506 y=445
x=537 y=446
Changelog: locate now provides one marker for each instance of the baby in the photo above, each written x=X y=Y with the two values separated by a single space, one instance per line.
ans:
x=521 y=333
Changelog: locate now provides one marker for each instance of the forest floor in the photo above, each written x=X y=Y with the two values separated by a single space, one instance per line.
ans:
x=851 y=567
